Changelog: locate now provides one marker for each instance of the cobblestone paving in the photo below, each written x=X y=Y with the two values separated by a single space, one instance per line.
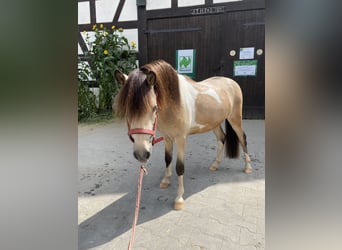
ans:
x=223 y=209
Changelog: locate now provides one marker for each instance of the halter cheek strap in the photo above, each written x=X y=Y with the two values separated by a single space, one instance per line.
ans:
x=146 y=132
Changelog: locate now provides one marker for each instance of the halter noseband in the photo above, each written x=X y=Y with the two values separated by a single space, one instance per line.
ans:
x=151 y=132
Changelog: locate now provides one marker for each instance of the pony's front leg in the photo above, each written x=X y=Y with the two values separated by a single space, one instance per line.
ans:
x=179 y=201
x=168 y=158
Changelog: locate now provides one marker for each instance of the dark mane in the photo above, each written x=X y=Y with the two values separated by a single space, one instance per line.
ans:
x=132 y=100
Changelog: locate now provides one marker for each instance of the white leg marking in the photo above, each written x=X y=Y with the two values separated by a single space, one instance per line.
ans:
x=166 y=180
x=179 y=201
x=248 y=167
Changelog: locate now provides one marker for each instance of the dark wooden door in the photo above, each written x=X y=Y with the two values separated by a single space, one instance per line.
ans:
x=243 y=30
x=213 y=37
x=165 y=36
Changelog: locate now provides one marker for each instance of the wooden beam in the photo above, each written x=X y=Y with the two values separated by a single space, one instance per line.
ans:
x=82 y=42
x=92 y=11
x=187 y=11
x=118 y=11
x=124 y=25
x=155 y=31
x=142 y=37
x=174 y=4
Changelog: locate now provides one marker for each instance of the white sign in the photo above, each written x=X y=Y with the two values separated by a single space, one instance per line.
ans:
x=245 y=70
x=246 y=53
x=245 y=67
x=185 y=60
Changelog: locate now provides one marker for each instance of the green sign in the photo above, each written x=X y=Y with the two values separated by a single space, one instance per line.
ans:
x=245 y=67
x=186 y=61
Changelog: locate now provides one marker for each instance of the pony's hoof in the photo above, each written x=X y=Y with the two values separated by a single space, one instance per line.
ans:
x=164 y=185
x=178 y=205
x=248 y=170
x=213 y=168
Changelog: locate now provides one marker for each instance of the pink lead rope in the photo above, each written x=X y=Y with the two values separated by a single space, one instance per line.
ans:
x=137 y=205
x=142 y=171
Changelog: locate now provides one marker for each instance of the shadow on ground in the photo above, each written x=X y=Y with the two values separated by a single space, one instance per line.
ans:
x=117 y=175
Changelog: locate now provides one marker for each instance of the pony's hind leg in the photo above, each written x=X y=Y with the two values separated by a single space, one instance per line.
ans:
x=236 y=125
x=179 y=201
x=248 y=167
x=168 y=158
x=220 y=136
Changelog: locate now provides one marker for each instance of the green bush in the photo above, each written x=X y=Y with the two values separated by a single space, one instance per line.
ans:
x=86 y=98
x=109 y=51
x=86 y=102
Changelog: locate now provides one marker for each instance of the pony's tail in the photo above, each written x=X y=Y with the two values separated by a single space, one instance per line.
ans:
x=231 y=141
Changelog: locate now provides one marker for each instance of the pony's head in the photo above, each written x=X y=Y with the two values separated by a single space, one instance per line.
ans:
x=143 y=92
x=138 y=102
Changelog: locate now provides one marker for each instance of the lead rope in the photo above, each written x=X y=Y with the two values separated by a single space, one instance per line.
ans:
x=137 y=205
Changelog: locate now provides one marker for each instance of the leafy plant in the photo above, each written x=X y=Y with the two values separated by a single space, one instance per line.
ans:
x=86 y=98
x=86 y=102
x=108 y=51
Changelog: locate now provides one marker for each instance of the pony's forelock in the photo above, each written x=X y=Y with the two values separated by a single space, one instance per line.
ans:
x=133 y=100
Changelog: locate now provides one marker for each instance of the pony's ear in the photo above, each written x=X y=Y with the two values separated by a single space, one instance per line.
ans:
x=150 y=76
x=120 y=77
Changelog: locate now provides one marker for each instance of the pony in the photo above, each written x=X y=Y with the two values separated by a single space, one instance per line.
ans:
x=155 y=96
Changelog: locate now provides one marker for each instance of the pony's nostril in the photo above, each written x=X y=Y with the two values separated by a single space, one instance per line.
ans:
x=136 y=155
x=147 y=155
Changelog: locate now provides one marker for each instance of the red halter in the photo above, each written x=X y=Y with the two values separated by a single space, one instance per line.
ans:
x=145 y=131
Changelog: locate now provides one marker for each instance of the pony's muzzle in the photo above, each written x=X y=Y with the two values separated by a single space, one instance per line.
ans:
x=141 y=155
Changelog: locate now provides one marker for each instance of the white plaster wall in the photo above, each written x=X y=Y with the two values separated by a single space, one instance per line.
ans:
x=105 y=10
x=183 y=3
x=129 y=11
x=157 y=4
x=80 y=52
x=83 y=13
x=132 y=36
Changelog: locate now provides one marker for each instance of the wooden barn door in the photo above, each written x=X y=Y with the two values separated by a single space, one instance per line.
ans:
x=213 y=37
x=246 y=30
x=165 y=36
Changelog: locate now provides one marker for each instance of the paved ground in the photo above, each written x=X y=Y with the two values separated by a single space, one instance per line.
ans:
x=223 y=209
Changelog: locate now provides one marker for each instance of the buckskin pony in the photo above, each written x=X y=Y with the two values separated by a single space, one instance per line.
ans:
x=156 y=96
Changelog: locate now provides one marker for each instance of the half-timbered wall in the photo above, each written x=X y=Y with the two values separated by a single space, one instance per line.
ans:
x=216 y=29
x=121 y=13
